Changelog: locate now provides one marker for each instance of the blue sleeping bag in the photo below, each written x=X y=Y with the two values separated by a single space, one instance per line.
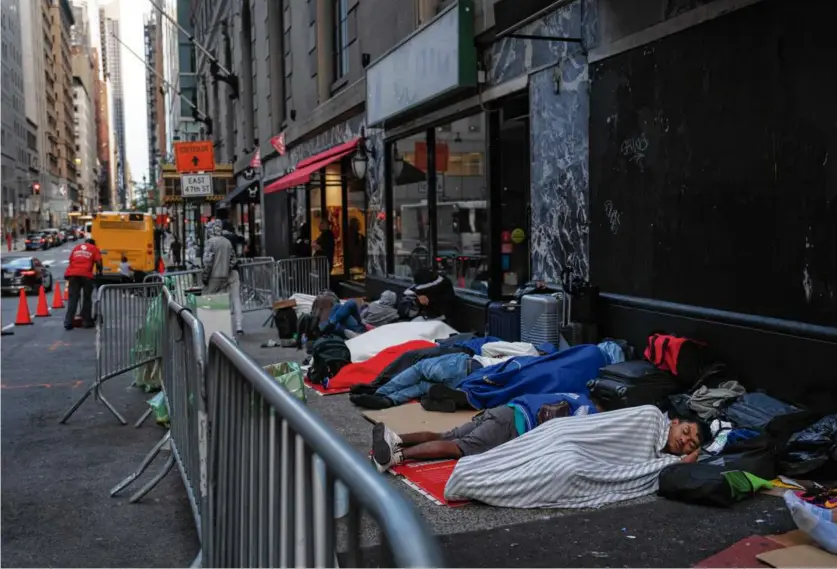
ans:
x=567 y=371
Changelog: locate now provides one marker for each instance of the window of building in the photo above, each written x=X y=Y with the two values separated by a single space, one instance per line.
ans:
x=288 y=55
x=410 y=217
x=341 y=38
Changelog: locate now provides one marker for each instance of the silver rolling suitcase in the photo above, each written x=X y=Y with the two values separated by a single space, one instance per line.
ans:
x=540 y=318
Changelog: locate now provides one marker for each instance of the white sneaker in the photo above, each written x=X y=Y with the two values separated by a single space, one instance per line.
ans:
x=386 y=448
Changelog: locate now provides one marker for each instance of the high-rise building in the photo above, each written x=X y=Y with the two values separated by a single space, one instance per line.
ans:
x=62 y=193
x=85 y=128
x=102 y=139
x=186 y=79
x=152 y=92
x=15 y=150
x=109 y=20
x=32 y=25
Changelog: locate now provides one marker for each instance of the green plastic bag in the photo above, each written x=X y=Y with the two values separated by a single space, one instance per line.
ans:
x=148 y=340
x=161 y=409
x=289 y=375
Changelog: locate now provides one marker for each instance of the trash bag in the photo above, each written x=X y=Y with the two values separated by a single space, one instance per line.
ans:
x=290 y=376
x=149 y=377
x=811 y=448
x=160 y=407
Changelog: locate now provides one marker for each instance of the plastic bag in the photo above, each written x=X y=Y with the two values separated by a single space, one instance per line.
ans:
x=161 y=409
x=289 y=375
x=811 y=448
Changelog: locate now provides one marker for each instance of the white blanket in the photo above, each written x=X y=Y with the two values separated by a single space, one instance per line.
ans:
x=508 y=349
x=570 y=462
x=368 y=344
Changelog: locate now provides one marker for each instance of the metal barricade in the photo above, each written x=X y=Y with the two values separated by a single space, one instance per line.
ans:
x=302 y=275
x=257 y=283
x=184 y=358
x=267 y=505
x=178 y=282
x=129 y=331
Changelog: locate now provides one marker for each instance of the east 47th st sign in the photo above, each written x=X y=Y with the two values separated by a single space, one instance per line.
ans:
x=196 y=185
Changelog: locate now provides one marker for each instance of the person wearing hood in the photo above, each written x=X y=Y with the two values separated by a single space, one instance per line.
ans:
x=219 y=270
x=351 y=318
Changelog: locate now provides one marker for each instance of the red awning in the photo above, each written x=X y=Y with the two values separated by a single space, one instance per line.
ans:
x=304 y=169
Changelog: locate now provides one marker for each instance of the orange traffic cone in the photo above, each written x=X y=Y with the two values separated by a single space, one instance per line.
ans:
x=67 y=293
x=43 y=307
x=161 y=267
x=56 y=297
x=23 y=317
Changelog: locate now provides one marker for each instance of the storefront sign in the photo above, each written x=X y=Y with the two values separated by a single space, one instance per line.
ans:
x=436 y=60
x=518 y=236
x=196 y=185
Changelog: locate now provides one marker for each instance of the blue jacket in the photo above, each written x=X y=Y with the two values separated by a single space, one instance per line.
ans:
x=567 y=371
x=529 y=405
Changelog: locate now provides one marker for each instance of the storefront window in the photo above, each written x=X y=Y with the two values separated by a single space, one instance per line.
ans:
x=462 y=251
x=356 y=236
x=410 y=215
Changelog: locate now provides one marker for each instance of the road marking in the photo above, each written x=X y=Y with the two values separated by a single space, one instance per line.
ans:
x=8 y=327
x=65 y=262
x=58 y=344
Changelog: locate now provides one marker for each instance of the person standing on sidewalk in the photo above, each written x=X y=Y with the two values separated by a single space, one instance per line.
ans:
x=9 y=241
x=79 y=276
x=219 y=270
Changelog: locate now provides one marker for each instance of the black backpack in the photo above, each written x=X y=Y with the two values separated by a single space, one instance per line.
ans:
x=286 y=322
x=328 y=356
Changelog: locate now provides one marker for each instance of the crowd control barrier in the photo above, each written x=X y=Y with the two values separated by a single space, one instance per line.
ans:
x=179 y=283
x=257 y=278
x=267 y=505
x=262 y=470
x=303 y=275
x=129 y=333
x=184 y=375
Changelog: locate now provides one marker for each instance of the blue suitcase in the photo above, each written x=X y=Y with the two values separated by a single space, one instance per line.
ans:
x=503 y=321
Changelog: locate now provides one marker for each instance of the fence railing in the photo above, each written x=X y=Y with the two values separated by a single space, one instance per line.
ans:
x=262 y=470
x=268 y=504
x=257 y=279
x=179 y=283
x=303 y=275
x=128 y=337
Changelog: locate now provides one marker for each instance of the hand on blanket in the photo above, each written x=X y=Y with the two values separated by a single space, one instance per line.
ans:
x=691 y=457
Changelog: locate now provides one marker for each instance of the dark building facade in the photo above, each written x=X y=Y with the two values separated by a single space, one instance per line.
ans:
x=678 y=154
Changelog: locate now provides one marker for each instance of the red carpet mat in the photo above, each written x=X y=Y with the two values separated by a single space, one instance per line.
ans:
x=428 y=479
x=741 y=554
x=320 y=390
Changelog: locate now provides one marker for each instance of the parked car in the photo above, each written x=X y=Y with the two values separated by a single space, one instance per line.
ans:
x=69 y=233
x=35 y=241
x=27 y=273
x=54 y=235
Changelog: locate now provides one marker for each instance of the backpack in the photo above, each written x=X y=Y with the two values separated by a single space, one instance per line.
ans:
x=286 y=322
x=328 y=356
x=682 y=357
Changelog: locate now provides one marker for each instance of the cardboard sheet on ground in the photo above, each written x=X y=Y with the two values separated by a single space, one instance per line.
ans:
x=412 y=417
x=799 y=556
x=741 y=554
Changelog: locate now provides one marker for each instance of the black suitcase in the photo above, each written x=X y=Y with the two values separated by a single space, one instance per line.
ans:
x=631 y=384
x=503 y=321
x=755 y=410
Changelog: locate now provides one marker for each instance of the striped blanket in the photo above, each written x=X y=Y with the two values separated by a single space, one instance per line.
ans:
x=572 y=462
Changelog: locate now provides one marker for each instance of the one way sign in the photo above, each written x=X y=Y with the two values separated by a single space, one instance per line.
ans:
x=196 y=185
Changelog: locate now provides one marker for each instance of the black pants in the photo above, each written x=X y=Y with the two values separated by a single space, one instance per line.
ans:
x=77 y=286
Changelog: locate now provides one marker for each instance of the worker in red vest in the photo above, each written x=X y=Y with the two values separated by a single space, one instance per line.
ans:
x=79 y=276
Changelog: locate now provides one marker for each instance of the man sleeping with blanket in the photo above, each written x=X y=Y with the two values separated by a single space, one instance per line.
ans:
x=575 y=461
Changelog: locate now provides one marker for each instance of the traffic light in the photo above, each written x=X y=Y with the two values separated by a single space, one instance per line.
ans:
x=36 y=189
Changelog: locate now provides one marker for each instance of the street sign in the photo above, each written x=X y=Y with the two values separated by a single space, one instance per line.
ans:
x=197 y=156
x=196 y=185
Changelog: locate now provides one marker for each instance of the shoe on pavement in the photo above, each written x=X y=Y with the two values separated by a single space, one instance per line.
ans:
x=240 y=332
x=386 y=448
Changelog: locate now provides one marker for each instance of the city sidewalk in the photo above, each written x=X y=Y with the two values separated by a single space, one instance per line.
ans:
x=56 y=478
x=648 y=532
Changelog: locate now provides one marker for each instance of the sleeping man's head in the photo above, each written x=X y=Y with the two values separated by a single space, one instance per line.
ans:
x=684 y=437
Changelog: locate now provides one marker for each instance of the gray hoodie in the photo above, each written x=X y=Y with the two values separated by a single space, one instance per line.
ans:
x=218 y=254
x=383 y=310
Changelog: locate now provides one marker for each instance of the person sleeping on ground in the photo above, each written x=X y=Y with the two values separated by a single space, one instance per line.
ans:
x=353 y=317
x=481 y=382
x=579 y=461
x=485 y=431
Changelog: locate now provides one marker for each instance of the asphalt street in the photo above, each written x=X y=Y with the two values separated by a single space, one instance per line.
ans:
x=56 y=508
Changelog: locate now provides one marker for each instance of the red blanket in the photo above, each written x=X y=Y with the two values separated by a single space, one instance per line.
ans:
x=366 y=372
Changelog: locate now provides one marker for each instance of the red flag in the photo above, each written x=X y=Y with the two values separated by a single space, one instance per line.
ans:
x=256 y=161
x=278 y=142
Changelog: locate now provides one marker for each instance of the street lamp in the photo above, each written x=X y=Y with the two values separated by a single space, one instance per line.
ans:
x=360 y=161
